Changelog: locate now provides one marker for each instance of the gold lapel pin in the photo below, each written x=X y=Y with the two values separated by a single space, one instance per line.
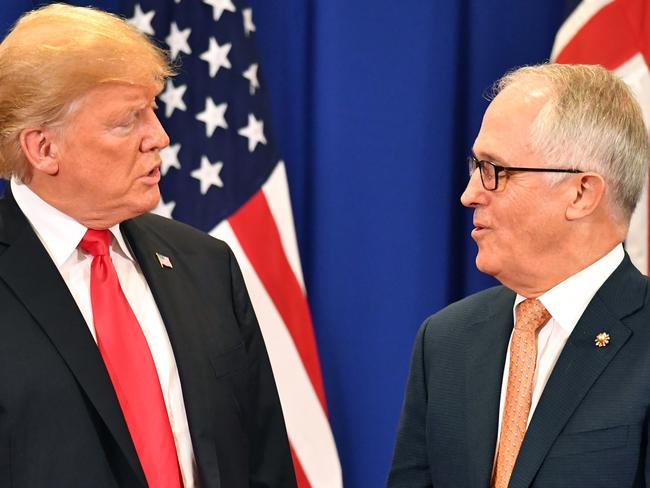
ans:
x=602 y=339
x=164 y=261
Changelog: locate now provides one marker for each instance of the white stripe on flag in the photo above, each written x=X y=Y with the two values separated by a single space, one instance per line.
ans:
x=276 y=191
x=580 y=16
x=307 y=425
x=635 y=73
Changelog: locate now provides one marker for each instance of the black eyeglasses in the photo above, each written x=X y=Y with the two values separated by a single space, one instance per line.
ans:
x=490 y=171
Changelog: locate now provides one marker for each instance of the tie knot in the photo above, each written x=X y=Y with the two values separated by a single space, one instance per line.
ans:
x=531 y=315
x=95 y=242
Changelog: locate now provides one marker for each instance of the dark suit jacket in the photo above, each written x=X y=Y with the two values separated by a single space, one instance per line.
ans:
x=60 y=422
x=590 y=427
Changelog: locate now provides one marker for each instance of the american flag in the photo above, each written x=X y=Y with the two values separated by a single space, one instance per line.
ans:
x=616 y=35
x=222 y=173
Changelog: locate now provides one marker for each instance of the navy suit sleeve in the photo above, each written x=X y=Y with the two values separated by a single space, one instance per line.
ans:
x=410 y=468
x=270 y=458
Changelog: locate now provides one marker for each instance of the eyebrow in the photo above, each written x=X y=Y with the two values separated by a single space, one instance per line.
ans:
x=488 y=157
x=133 y=107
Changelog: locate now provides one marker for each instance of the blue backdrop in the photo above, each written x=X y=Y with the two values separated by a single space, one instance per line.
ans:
x=376 y=104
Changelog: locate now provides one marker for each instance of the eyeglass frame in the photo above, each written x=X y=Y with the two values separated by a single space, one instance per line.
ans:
x=474 y=163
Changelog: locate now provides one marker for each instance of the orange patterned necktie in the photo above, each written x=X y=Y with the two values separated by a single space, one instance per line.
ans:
x=531 y=316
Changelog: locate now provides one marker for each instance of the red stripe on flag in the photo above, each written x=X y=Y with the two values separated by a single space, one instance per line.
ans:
x=301 y=478
x=255 y=228
x=611 y=37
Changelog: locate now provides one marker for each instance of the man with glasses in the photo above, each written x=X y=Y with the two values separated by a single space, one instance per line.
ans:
x=544 y=381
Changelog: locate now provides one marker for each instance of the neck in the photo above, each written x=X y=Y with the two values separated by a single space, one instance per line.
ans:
x=549 y=271
x=89 y=218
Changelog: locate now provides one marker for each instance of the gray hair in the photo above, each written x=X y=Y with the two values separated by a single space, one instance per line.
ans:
x=590 y=122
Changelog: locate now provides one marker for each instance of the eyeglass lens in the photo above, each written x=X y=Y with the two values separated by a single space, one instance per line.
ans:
x=487 y=170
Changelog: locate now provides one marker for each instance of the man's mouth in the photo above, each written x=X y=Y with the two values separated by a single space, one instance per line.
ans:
x=153 y=176
x=155 y=171
x=478 y=230
x=479 y=226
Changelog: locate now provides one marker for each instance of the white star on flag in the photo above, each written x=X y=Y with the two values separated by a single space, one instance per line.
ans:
x=173 y=98
x=251 y=75
x=213 y=116
x=142 y=20
x=240 y=207
x=208 y=174
x=247 y=15
x=177 y=40
x=169 y=157
x=218 y=7
x=216 y=56
x=164 y=209
x=254 y=131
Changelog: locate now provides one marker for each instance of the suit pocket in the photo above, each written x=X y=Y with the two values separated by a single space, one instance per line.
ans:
x=590 y=441
x=229 y=361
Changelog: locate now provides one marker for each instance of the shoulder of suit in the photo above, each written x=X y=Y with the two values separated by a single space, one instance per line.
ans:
x=179 y=234
x=480 y=306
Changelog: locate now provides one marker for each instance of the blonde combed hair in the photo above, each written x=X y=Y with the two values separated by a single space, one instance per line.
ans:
x=591 y=122
x=53 y=56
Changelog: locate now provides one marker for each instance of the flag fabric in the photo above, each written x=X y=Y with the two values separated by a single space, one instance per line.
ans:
x=615 y=34
x=222 y=173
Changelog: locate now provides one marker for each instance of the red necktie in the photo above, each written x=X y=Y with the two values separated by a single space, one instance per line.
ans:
x=130 y=366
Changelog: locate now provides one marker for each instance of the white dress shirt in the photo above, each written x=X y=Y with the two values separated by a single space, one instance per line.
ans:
x=566 y=302
x=60 y=234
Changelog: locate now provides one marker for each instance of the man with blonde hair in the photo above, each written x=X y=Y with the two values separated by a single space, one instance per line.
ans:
x=544 y=381
x=130 y=354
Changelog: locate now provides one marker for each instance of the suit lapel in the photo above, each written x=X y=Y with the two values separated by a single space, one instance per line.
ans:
x=579 y=366
x=488 y=344
x=29 y=271
x=186 y=324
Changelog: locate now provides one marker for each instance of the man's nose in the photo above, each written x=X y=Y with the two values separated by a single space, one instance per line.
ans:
x=474 y=193
x=156 y=138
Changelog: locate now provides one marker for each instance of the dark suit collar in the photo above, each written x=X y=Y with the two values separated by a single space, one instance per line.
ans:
x=487 y=348
x=29 y=271
x=184 y=317
x=579 y=366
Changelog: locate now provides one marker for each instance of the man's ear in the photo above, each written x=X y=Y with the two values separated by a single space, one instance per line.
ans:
x=40 y=147
x=587 y=190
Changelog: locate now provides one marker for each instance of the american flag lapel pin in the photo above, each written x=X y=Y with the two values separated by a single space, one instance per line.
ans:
x=164 y=261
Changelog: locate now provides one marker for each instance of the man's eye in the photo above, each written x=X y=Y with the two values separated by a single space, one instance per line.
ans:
x=128 y=121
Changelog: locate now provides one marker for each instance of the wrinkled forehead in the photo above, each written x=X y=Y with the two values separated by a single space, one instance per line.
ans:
x=114 y=96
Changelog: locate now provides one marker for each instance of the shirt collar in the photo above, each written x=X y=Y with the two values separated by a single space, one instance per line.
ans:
x=567 y=301
x=59 y=233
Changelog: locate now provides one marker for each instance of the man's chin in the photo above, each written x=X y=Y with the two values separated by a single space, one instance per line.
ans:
x=485 y=265
x=145 y=203
x=150 y=200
